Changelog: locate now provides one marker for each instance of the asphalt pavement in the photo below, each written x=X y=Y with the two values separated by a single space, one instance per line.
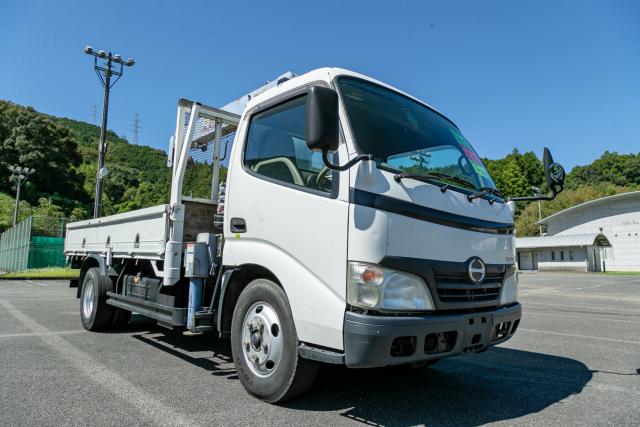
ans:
x=575 y=360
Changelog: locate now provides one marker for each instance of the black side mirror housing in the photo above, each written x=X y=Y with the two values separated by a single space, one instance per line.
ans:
x=554 y=173
x=321 y=118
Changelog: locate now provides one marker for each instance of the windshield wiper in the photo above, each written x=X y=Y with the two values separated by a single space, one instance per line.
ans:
x=429 y=177
x=486 y=190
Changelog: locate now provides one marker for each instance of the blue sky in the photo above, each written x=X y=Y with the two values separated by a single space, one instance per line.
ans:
x=565 y=74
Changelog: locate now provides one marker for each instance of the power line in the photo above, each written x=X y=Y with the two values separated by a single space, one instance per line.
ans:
x=136 y=128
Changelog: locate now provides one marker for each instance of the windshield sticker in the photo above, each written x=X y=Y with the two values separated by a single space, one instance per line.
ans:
x=476 y=162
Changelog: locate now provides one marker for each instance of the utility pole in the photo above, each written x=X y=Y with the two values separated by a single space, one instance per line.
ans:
x=94 y=114
x=19 y=175
x=136 y=128
x=537 y=193
x=105 y=70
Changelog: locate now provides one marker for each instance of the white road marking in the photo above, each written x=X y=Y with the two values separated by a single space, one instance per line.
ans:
x=528 y=313
x=147 y=404
x=39 y=334
x=597 y=307
x=579 y=336
x=44 y=299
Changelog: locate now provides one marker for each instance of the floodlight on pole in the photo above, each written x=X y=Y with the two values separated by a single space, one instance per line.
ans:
x=19 y=176
x=105 y=70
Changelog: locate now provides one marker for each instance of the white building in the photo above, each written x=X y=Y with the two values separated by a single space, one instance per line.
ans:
x=603 y=234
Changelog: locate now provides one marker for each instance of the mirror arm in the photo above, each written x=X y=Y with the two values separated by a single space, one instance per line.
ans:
x=359 y=158
x=531 y=198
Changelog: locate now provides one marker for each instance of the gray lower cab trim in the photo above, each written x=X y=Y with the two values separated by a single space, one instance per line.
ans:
x=318 y=354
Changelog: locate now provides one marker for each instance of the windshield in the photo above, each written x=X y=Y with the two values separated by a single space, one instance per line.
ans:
x=408 y=136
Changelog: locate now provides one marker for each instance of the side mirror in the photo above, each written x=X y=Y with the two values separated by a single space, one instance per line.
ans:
x=321 y=118
x=555 y=179
x=554 y=173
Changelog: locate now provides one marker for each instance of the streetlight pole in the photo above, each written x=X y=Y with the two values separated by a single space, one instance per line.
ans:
x=105 y=70
x=537 y=193
x=19 y=175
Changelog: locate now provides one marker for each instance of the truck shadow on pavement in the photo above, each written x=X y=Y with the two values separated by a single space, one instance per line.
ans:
x=500 y=384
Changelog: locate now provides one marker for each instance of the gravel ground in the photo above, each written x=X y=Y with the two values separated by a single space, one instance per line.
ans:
x=575 y=360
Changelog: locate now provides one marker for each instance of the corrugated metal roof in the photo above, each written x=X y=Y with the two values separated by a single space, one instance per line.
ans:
x=562 y=241
x=607 y=199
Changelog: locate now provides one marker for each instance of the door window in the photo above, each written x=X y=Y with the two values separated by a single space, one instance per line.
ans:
x=276 y=148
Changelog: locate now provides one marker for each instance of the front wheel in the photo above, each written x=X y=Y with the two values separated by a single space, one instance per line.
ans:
x=264 y=343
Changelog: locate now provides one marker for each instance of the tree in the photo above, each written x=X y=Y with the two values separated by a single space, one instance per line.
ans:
x=511 y=180
x=516 y=165
x=35 y=141
x=611 y=167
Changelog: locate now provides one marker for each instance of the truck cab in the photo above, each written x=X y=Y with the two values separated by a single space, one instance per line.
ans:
x=367 y=258
x=360 y=228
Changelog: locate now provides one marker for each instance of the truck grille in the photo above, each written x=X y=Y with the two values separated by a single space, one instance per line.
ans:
x=450 y=284
x=456 y=288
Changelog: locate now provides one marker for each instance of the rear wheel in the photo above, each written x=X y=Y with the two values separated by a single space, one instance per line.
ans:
x=95 y=313
x=264 y=343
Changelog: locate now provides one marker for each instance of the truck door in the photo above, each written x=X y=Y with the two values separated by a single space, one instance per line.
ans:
x=283 y=213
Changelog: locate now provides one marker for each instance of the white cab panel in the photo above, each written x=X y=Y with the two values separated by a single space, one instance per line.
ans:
x=409 y=237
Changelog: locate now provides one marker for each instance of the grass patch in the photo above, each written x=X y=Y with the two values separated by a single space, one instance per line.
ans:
x=43 y=273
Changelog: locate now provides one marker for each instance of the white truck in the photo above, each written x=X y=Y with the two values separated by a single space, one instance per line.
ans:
x=360 y=228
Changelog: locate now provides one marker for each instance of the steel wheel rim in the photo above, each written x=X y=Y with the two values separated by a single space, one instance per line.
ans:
x=262 y=341
x=87 y=300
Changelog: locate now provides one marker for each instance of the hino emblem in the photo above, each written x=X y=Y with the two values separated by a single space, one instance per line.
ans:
x=476 y=270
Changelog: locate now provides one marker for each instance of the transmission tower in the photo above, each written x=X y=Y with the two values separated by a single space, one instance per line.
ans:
x=136 y=128
x=94 y=114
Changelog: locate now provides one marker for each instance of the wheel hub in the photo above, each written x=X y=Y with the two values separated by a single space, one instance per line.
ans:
x=262 y=341
x=87 y=300
x=256 y=340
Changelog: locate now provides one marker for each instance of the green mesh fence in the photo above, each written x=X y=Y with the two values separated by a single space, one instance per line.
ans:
x=36 y=242
x=46 y=252
x=14 y=247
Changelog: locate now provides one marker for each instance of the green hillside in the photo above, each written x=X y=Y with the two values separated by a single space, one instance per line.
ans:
x=64 y=152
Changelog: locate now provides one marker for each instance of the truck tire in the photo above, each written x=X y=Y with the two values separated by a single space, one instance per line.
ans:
x=95 y=313
x=264 y=344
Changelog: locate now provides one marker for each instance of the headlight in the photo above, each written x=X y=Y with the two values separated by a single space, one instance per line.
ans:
x=373 y=287
x=509 y=289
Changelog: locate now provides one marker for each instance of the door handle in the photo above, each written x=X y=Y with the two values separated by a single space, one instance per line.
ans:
x=238 y=225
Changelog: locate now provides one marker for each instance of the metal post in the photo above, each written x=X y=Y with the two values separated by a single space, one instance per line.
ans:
x=19 y=175
x=15 y=210
x=540 y=216
x=536 y=191
x=215 y=176
x=97 y=208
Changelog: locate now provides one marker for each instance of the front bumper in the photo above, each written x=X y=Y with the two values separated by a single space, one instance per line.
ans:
x=373 y=341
